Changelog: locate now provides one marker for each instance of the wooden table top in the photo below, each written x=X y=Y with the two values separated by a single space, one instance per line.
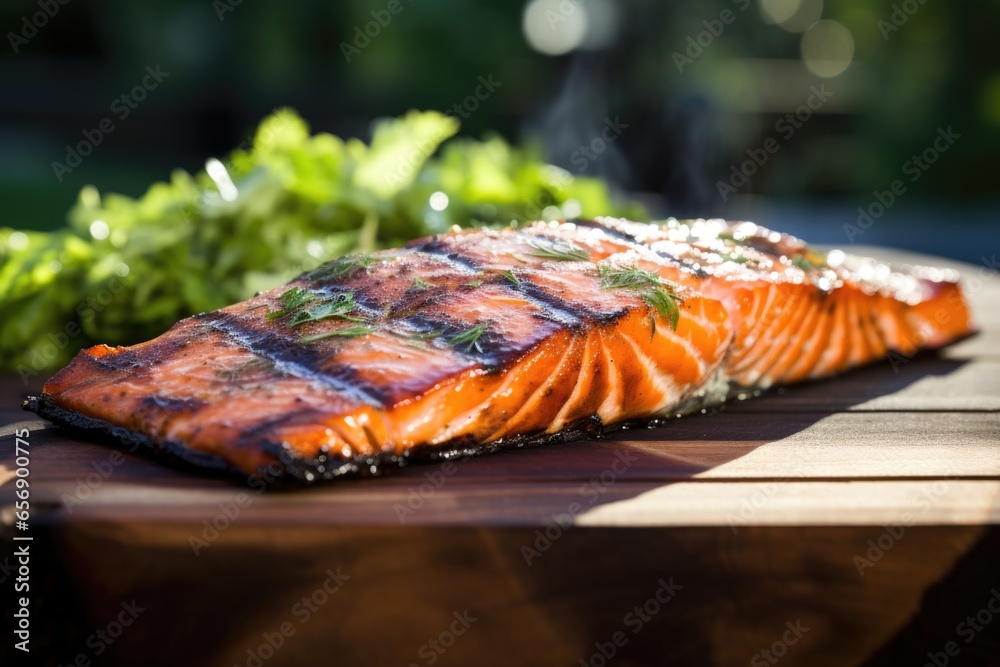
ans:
x=766 y=507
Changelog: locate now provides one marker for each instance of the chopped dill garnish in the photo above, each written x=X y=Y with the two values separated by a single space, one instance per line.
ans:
x=632 y=278
x=427 y=335
x=420 y=285
x=292 y=299
x=349 y=332
x=512 y=278
x=469 y=338
x=474 y=283
x=649 y=286
x=345 y=267
x=563 y=251
x=303 y=306
x=338 y=306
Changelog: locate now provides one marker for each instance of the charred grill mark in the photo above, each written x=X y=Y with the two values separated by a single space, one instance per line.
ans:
x=424 y=325
x=172 y=403
x=137 y=360
x=689 y=265
x=490 y=349
x=292 y=358
x=441 y=249
x=557 y=309
x=164 y=409
x=610 y=231
x=265 y=427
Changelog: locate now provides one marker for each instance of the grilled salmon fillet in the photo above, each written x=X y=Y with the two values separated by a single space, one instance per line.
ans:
x=475 y=340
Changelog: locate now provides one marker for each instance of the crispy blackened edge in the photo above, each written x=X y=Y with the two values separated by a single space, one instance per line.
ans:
x=100 y=430
x=289 y=471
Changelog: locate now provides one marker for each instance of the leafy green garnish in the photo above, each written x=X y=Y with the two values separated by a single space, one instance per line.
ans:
x=474 y=283
x=469 y=338
x=649 y=286
x=562 y=251
x=348 y=332
x=420 y=285
x=512 y=278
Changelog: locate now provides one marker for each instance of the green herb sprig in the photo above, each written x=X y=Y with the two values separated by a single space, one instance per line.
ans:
x=345 y=267
x=469 y=339
x=339 y=306
x=292 y=299
x=562 y=251
x=649 y=286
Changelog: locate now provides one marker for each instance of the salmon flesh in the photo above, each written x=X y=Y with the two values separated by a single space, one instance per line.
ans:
x=472 y=341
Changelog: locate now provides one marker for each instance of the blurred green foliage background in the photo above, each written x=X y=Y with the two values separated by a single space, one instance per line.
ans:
x=230 y=63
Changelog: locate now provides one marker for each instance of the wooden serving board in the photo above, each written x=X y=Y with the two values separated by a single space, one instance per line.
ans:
x=848 y=522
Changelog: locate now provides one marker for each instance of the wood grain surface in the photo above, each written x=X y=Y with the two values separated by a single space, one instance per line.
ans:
x=862 y=512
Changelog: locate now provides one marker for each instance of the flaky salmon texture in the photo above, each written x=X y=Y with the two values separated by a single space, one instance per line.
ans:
x=473 y=341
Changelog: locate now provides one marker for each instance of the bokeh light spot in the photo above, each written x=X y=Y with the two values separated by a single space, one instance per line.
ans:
x=554 y=27
x=827 y=48
x=99 y=230
x=439 y=201
x=779 y=11
x=805 y=17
